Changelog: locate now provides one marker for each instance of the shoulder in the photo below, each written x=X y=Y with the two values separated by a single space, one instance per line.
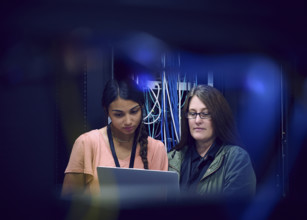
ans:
x=88 y=135
x=233 y=149
x=175 y=158
x=154 y=143
x=177 y=154
x=90 y=138
x=155 y=146
x=234 y=152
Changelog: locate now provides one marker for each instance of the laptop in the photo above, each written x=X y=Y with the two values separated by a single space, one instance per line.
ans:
x=137 y=185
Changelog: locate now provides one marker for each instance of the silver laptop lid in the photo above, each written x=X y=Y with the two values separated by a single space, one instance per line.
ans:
x=126 y=183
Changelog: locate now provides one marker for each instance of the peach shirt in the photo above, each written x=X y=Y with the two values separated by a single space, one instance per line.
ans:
x=91 y=150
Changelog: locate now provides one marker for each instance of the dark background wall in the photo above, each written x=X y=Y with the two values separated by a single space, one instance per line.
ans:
x=48 y=51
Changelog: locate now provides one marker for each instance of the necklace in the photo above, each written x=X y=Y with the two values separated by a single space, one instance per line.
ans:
x=120 y=140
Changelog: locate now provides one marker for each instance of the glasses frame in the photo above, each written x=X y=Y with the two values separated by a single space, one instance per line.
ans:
x=194 y=116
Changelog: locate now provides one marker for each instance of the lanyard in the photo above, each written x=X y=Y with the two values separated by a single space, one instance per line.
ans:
x=113 y=149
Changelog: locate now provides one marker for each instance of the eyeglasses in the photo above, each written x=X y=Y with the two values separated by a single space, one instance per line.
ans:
x=193 y=115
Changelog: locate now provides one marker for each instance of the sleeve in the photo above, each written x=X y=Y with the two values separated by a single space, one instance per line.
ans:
x=81 y=157
x=240 y=179
x=159 y=160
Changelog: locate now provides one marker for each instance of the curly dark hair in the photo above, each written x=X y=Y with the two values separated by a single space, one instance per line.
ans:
x=127 y=89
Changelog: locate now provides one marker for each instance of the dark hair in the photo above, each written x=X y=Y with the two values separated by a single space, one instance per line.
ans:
x=127 y=89
x=221 y=115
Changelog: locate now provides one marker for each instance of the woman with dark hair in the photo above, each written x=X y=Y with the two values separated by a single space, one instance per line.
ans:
x=208 y=157
x=122 y=143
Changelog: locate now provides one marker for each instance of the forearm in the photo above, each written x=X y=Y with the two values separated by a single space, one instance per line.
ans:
x=74 y=183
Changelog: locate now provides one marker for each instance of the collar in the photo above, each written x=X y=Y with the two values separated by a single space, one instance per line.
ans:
x=209 y=155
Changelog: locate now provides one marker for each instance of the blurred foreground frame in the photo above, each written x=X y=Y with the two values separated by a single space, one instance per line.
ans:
x=49 y=51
